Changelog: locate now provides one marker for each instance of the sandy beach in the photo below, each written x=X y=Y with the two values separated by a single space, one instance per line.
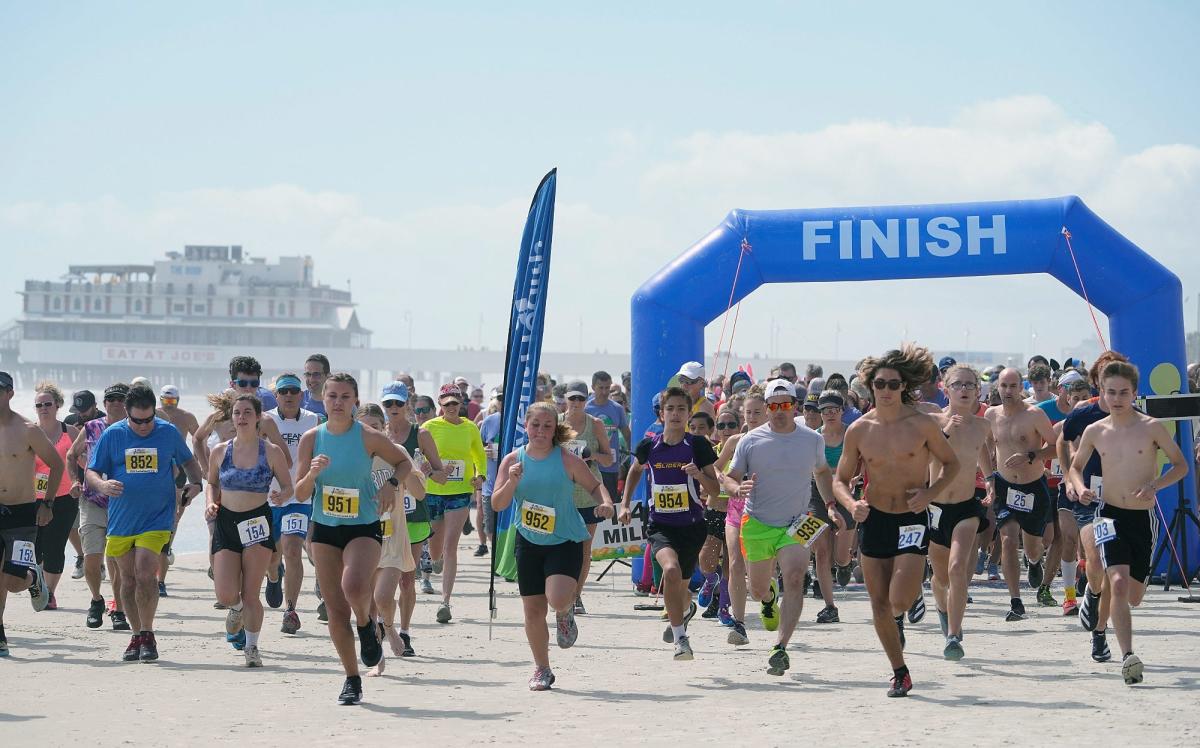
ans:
x=1021 y=683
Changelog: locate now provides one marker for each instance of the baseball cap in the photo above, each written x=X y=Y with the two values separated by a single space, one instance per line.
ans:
x=810 y=402
x=691 y=370
x=577 y=387
x=139 y=380
x=1070 y=378
x=169 y=391
x=449 y=390
x=84 y=400
x=739 y=381
x=657 y=401
x=395 y=391
x=498 y=391
x=120 y=388
x=778 y=387
x=817 y=384
x=946 y=363
x=6 y=380
x=462 y=380
x=831 y=397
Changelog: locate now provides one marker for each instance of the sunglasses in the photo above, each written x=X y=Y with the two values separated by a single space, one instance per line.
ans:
x=170 y=400
x=830 y=410
x=246 y=382
x=686 y=381
x=288 y=391
x=422 y=411
x=780 y=406
x=727 y=424
x=577 y=398
x=450 y=403
x=956 y=386
x=141 y=421
x=888 y=384
x=394 y=404
x=39 y=406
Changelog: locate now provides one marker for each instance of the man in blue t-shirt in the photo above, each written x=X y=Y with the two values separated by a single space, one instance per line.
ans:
x=316 y=371
x=132 y=465
x=616 y=425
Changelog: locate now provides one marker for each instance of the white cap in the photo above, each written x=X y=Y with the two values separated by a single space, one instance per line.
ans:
x=169 y=390
x=1071 y=377
x=691 y=370
x=778 y=387
x=139 y=380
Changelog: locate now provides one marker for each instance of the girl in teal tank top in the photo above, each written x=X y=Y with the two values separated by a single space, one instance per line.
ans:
x=545 y=501
x=345 y=491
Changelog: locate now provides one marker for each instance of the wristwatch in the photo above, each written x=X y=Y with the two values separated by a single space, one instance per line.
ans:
x=394 y=481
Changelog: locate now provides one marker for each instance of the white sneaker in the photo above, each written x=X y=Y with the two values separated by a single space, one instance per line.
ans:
x=233 y=622
x=443 y=613
x=253 y=658
x=77 y=573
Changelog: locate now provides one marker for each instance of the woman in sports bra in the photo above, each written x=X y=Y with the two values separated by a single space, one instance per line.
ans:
x=51 y=544
x=239 y=489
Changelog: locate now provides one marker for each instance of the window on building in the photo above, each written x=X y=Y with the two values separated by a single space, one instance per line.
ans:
x=137 y=305
x=241 y=307
x=57 y=303
x=78 y=304
x=180 y=308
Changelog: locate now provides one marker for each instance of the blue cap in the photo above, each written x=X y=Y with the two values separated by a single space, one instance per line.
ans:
x=288 y=380
x=946 y=363
x=395 y=391
x=657 y=401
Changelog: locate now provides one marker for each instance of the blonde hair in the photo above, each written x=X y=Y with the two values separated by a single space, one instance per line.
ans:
x=562 y=432
x=51 y=389
x=222 y=403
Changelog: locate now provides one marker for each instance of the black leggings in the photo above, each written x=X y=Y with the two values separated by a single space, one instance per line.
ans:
x=51 y=546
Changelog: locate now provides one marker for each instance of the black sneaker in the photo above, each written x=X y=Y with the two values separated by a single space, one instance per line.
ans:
x=322 y=614
x=468 y=528
x=917 y=611
x=828 y=614
x=1035 y=576
x=119 y=621
x=274 y=591
x=370 y=651
x=148 y=651
x=95 y=615
x=816 y=589
x=3 y=642
x=844 y=574
x=134 y=649
x=351 y=691
x=1089 y=610
x=714 y=605
x=1016 y=612
x=481 y=551
x=408 y=650
x=1100 y=650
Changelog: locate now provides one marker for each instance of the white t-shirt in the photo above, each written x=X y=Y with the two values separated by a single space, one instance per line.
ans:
x=784 y=465
x=291 y=429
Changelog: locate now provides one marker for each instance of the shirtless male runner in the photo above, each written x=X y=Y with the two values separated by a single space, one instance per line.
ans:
x=186 y=424
x=1125 y=528
x=20 y=514
x=1023 y=439
x=896 y=441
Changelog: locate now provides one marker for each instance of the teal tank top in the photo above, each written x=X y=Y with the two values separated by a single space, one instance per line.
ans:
x=832 y=454
x=545 y=502
x=345 y=491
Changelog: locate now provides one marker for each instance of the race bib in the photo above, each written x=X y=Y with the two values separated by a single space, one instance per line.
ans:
x=1018 y=501
x=339 y=502
x=23 y=553
x=1097 y=487
x=671 y=498
x=1105 y=529
x=935 y=516
x=385 y=526
x=1056 y=470
x=538 y=518
x=807 y=529
x=576 y=447
x=253 y=531
x=141 y=460
x=455 y=469
x=295 y=524
x=410 y=504
x=911 y=536
x=41 y=484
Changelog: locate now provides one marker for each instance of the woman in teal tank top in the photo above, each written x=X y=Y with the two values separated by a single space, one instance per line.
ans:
x=333 y=468
x=539 y=481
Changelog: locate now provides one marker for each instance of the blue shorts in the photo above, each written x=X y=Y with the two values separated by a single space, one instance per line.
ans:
x=294 y=527
x=439 y=505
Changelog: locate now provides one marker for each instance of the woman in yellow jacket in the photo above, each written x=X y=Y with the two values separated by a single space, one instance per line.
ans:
x=465 y=468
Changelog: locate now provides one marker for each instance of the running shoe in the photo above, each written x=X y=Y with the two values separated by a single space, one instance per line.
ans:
x=134 y=649
x=480 y=551
x=53 y=604
x=322 y=613
x=669 y=634
x=683 y=649
x=567 y=631
x=828 y=614
x=218 y=605
x=233 y=621
x=1035 y=575
x=426 y=586
x=443 y=613
x=95 y=614
x=900 y=628
x=900 y=685
x=210 y=576
x=408 y=650
x=438 y=565
x=1044 y=598
x=982 y=562
x=274 y=592
x=1016 y=612
x=579 y=609
x=1070 y=607
x=542 y=679
x=724 y=617
x=112 y=605
x=468 y=528
x=162 y=588
x=844 y=574
x=39 y=592
x=737 y=634
x=858 y=575
x=170 y=558
x=119 y=621
x=816 y=589
x=1131 y=669
x=370 y=651
x=640 y=591
x=779 y=661
x=1089 y=610
x=917 y=612
x=993 y=573
x=714 y=606
x=77 y=572
x=238 y=640
x=707 y=590
x=148 y=650
x=253 y=658
x=351 y=691
x=291 y=622
x=944 y=622
x=953 y=650
x=1100 y=650
x=770 y=609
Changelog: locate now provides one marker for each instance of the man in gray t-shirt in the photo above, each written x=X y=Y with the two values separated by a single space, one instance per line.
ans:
x=773 y=468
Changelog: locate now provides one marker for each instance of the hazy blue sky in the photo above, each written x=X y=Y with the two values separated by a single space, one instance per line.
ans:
x=400 y=145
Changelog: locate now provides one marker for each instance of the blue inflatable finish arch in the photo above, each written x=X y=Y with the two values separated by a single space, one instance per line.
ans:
x=1142 y=299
